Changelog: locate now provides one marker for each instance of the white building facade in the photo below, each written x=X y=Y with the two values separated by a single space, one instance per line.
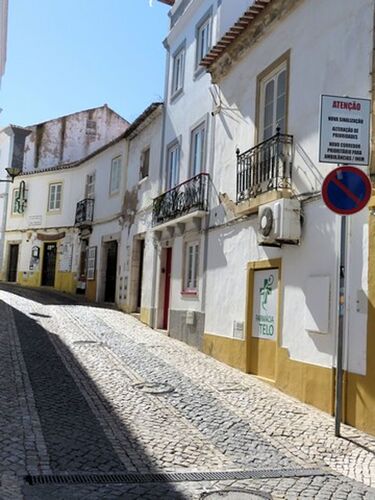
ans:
x=262 y=297
x=51 y=206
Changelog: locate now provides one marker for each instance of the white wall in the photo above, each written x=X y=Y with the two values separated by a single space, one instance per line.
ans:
x=138 y=217
x=339 y=45
x=185 y=112
x=65 y=139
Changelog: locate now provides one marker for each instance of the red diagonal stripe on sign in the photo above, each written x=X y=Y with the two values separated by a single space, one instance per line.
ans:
x=347 y=191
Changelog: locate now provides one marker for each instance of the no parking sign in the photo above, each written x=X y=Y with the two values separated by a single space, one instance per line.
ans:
x=346 y=190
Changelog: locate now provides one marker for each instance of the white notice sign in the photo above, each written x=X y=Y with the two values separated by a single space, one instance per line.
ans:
x=265 y=298
x=344 y=130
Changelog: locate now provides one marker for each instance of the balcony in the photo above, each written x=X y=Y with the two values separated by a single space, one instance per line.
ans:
x=265 y=168
x=187 y=199
x=84 y=213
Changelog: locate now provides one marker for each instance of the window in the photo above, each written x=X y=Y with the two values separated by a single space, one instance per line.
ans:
x=178 y=72
x=203 y=39
x=54 y=197
x=91 y=263
x=115 y=175
x=90 y=186
x=145 y=164
x=91 y=128
x=197 y=149
x=15 y=201
x=173 y=165
x=273 y=102
x=191 y=266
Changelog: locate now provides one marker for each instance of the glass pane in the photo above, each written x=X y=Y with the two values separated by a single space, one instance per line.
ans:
x=281 y=83
x=196 y=264
x=198 y=138
x=268 y=132
x=15 y=204
x=190 y=267
x=281 y=101
x=269 y=90
x=203 y=40
x=268 y=111
x=280 y=113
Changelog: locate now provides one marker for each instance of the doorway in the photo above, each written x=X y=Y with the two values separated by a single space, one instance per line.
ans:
x=263 y=310
x=13 y=261
x=167 y=287
x=49 y=264
x=140 y=273
x=110 y=273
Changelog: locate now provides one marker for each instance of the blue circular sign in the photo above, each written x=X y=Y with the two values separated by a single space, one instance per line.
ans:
x=346 y=190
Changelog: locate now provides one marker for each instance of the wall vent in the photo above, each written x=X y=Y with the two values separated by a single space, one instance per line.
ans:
x=238 y=330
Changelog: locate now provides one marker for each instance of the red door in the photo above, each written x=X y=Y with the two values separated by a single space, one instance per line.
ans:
x=167 y=287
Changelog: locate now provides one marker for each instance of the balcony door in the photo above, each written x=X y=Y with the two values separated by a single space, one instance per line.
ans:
x=173 y=166
x=273 y=100
x=197 y=150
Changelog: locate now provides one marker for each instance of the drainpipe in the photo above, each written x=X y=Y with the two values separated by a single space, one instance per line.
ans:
x=207 y=219
x=159 y=188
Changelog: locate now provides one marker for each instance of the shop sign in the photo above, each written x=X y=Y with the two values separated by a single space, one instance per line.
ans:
x=265 y=299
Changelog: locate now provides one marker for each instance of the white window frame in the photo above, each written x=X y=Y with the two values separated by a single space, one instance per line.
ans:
x=115 y=177
x=203 y=38
x=54 y=202
x=91 y=263
x=273 y=76
x=190 y=283
x=90 y=186
x=200 y=131
x=146 y=153
x=173 y=165
x=14 y=195
x=178 y=72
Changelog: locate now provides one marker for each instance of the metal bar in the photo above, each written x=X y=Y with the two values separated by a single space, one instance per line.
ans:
x=340 y=333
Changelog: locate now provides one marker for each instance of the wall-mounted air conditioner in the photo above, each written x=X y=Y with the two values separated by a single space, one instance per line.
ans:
x=279 y=222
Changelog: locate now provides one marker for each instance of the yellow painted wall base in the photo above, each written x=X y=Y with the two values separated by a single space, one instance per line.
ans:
x=310 y=384
x=262 y=357
x=229 y=351
x=65 y=282
x=29 y=278
x=145 y=316
x=91 y=290
x=360 y=402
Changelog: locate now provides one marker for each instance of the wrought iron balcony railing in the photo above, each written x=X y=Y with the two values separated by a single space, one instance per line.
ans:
x=265 y=167
x=185 y=198
x=84 y=212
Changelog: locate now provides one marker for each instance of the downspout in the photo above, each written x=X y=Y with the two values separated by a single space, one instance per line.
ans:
x=210 y=182
x=159 y=189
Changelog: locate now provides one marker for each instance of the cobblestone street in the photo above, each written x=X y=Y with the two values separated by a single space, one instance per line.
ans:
x=96 y=405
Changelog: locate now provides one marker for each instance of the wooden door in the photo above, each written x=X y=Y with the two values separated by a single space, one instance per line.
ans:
x=110 y=275
x=13 y=261
x=140 y=275
x=167 y=287
x=49 y=264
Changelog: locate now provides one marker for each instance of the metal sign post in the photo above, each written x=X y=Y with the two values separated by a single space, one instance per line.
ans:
x=340 y=333
x=346 y=190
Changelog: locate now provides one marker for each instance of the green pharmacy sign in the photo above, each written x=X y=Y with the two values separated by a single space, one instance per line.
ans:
x=265 y=295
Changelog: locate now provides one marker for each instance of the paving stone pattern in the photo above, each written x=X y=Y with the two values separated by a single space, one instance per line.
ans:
x=70 y=404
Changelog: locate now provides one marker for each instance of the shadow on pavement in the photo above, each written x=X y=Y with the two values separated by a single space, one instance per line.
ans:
x=75 y=439
x=49 y=296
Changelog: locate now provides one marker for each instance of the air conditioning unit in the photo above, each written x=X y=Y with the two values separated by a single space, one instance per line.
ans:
x=279 y=222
